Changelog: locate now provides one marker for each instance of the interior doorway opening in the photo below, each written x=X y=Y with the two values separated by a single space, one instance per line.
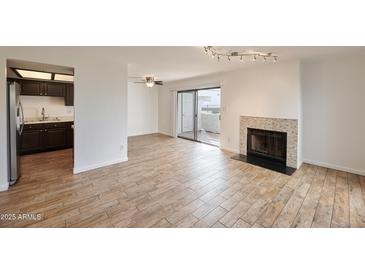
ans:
x=40 y=102
x=199 y=115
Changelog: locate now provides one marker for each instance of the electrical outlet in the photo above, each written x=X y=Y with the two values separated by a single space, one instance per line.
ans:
x=121 y=147
x=228 y=139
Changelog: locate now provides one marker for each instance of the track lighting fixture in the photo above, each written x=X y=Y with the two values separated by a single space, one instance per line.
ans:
x=229 y=54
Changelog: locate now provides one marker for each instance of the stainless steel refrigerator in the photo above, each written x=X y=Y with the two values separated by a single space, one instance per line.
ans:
x=15 y=129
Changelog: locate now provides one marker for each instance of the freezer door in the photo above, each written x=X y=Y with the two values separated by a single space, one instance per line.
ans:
x=16 y=124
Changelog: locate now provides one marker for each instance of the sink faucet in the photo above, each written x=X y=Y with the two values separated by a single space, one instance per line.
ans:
x=43 y=114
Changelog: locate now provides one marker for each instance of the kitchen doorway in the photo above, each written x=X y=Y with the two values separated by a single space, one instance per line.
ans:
x=199 y=116
x=40 y=120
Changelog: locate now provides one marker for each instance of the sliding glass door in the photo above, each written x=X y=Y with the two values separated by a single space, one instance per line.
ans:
x=187 y=115
x=199 y=115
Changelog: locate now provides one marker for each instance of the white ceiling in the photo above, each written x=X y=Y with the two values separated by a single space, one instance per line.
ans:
x=174 y=63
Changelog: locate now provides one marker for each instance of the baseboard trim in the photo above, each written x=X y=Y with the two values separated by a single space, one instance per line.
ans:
x=230 y=150
x=340 y=168
x=4 y=187
x=145 y=133
x=165 y=133
x=104 y=164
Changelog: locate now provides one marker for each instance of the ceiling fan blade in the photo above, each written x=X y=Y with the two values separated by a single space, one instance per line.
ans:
x=159 y=83
x=139 y=82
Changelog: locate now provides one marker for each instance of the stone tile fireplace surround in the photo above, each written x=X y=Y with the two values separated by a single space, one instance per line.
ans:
x=290 y=126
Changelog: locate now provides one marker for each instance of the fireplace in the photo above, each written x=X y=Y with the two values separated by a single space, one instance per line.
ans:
x=267 y=144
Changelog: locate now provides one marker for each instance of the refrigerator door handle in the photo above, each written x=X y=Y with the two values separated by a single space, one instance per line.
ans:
x=22 y=121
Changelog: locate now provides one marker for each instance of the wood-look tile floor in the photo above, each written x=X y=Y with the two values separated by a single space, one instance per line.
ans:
x=171 y=182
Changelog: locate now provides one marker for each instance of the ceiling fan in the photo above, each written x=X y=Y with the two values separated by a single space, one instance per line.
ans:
x=149 y=81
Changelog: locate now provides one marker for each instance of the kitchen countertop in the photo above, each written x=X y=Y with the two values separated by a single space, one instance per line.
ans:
x=35 y=120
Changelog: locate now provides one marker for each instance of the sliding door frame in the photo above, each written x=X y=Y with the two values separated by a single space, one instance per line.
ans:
x=195 y=129
x=195 y=108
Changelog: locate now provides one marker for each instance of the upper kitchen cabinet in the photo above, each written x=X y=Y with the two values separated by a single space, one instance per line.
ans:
x=69 y=98
x=38 y=88
x=32 y=88
x=55 y=89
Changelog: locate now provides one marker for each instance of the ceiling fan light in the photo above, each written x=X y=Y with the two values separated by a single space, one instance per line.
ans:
x=150 y=84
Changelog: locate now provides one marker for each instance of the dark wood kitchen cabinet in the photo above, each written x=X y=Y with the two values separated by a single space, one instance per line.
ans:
x=39 y=88
x=69 y=96
x=54 y=138
x=46 y=137
x=69 y=135
x=34 y=88
x=31 y=141
x=55 y=89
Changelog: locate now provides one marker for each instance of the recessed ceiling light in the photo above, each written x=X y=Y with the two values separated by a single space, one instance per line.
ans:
x=34 y=74
x=64 y=77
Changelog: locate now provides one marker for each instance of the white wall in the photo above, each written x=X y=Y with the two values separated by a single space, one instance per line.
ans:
x=334 y=112
x=54 y=106
x=100 y=103
x=166 y=111
x=269 y=90
x=142 y=109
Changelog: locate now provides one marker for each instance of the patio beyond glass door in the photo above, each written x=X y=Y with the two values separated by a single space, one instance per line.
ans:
x=199 y=115
x=187 y=115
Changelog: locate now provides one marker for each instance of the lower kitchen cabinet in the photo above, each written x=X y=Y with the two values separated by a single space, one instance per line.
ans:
x=31 y=141
x=54 y=138
x=46 y=137
x=69 y=135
